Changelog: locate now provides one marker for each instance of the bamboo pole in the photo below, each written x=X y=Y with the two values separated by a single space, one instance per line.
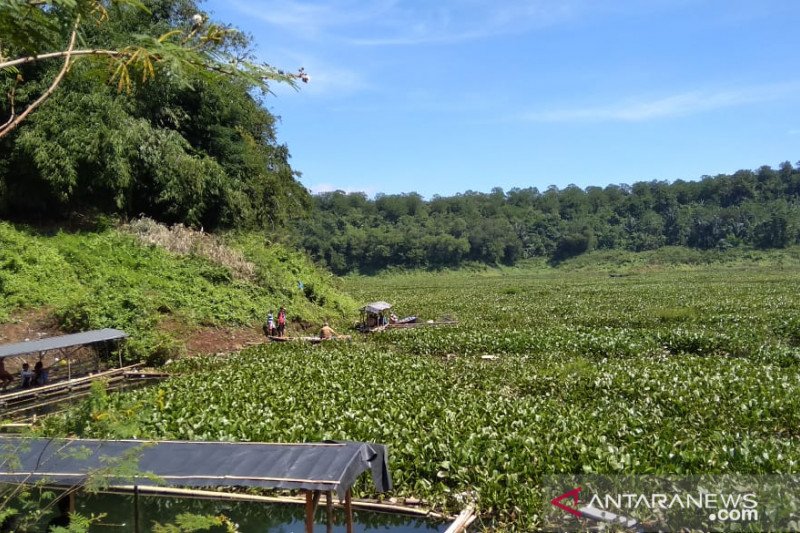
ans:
x=235 y=496
x=329 y=510
x=463 y=520
x=309 y=512
x=136 y=508
x=348 y=510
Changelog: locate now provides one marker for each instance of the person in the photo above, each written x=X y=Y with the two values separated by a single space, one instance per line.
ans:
x=39 y=373
x=5 y=377
x=269 y=325
x=282 y=322
x=327 y=333
x=26 y=375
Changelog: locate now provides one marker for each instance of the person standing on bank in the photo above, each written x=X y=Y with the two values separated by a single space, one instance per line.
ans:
x=270 y=324
x=282 y=322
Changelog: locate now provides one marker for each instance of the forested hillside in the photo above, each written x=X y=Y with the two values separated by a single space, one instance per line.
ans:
x=349 y=232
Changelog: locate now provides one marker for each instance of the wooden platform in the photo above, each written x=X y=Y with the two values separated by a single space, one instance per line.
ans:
x=312 y=340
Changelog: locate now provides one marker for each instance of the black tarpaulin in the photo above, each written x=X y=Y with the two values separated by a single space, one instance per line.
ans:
x=312 y=466
x=62 y=341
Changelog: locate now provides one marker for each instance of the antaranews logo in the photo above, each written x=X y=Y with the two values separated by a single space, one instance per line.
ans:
x=572 y=494
x=718 y=506
x=658 y=504
x=724 y=502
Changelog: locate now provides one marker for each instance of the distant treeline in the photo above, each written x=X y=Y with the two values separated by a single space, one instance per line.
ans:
x=350 y=232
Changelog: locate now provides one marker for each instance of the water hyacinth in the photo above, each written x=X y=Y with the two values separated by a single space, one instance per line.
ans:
x=650 y=374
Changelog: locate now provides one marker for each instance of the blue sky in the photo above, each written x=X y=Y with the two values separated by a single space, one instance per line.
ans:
x=445 y=96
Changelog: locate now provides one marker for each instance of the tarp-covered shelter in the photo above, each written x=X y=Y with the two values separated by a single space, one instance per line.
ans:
x=376 y=308
x=65 y=344
x=312 y=467
x=373 y=315
x=60 y=342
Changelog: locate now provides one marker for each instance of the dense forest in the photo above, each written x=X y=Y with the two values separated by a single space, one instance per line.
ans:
x=350 y=232
x=167 y=121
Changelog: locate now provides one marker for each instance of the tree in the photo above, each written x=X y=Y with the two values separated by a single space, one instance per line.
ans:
x=192 y=145
x=35 y=31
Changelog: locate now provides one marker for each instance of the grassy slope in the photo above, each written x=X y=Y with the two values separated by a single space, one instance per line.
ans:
x=108 y=279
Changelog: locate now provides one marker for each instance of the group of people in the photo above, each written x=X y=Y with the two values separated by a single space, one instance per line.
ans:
x=29 y=378
x=273 y=328
x=277 y=328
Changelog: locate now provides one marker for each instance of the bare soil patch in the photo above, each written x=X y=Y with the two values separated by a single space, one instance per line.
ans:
x=210 y=339
x=29 y=325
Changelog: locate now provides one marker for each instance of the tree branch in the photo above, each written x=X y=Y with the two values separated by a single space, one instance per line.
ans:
x=9 y=126
x=63 y=53
x=11 y=95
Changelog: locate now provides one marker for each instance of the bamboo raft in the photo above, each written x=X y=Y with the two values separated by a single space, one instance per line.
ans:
x=21 y=404
x=311 y=339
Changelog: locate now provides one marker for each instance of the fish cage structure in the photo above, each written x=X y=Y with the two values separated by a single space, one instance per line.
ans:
x=312 y=468
x=66 y=346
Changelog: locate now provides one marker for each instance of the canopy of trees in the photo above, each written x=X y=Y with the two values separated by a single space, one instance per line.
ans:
x=350 y=232
x=171 y=126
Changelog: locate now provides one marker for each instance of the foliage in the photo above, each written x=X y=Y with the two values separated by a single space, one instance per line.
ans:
x=187 y=522
x=657 y=372
x=192 y=145
x=351 y=233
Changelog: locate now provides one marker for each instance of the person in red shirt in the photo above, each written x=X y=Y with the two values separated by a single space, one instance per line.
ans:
x=282 y=322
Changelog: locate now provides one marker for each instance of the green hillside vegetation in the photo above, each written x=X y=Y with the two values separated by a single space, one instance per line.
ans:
x=111 y=278
x=749 y=209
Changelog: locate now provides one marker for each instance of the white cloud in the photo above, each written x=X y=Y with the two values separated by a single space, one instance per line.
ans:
x=312 y=18
x=327 y=80
x=398 y=22
x=683 y=104
x=462 y=20
x=414 y=22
